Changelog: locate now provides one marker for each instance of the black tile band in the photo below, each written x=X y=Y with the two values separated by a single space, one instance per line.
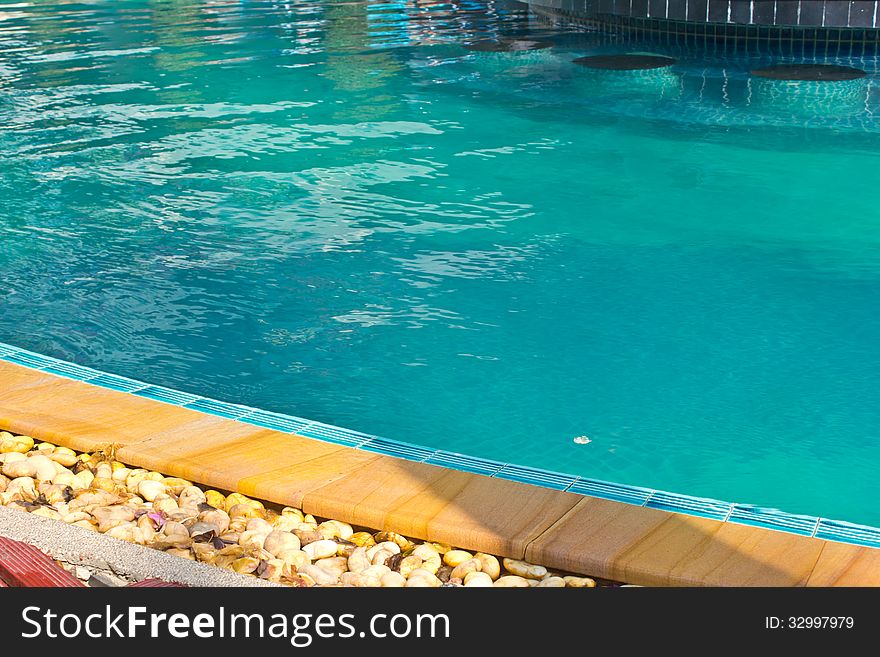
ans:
x=830 y=42
x=780 y=13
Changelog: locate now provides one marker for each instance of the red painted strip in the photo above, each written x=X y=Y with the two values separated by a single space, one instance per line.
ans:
x=25 y=566
x=154 y=583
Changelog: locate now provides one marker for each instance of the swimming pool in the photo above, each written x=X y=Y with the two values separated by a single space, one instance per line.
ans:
x=336 y=210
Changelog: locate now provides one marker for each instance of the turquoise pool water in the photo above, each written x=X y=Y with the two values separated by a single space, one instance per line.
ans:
x=334 y=210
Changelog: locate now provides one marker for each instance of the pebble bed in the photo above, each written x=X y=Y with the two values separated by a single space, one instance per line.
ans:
x=283 y=545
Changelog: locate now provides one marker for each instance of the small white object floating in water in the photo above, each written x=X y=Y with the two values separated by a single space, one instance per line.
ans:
x=582 y=440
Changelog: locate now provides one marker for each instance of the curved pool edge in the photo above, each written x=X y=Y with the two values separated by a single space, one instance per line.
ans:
x=740 y=513
x=632 y=513
x=822 y=27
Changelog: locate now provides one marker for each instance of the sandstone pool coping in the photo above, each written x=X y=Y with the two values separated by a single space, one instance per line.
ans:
x=597 y=528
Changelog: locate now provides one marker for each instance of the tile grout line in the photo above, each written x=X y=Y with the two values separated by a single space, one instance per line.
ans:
x=547 y=530
x=816 y=564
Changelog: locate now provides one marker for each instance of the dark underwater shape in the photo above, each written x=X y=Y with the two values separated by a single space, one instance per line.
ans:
x=625 y=62
x=809 y=72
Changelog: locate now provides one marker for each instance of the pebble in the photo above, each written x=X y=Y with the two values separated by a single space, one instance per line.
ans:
x=524 y=569
x=391 y=537
x=392 y=580
x=335 y=565
x=295 y=558
x=319 y=575
x=252 y=538
x=236 y=532
x=215 y=499
x=278 y=541
x=259 y=525
x=551 y=582
x=377 y=570
x=23 y=468
x=465 y=568
x=511 y=581
x=579 y=582
x=478 y=579
x=386 y=546
x=362 y=539
x=307 y=536
x=358 y=560
x=272 y=570
x=320 y=549
x=489 y=564
x=150 y=490
x=10 y=443
x=409 y=564
x=455 y=557
x=335 y=529
x=245 y=565
x=422 y=580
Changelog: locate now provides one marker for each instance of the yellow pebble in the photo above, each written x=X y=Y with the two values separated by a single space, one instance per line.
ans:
x=455 y=557
x=20 y=444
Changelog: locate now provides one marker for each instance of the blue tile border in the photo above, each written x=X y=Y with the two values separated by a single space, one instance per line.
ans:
x=276 y=421
x=704 y=507
x=608 y=490
x=338 y=435
x=31 y=360
x=71 y=371
x=846 y=532
x=536 y=476
x=119 y=383
x=748 y=514
x=456 y=461
x=214 y=407
x=166 y=395
x=743 y=514
x=399 y=449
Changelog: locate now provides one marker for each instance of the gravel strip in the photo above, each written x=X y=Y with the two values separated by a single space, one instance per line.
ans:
x=122 y=509
x=80 y=547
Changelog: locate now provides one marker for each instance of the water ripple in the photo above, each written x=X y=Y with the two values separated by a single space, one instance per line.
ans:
x=336 y=210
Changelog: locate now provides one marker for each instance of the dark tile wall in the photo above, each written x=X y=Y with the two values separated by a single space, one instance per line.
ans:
x=676 y=10
x=787 y=12
x=741 y=12
x=812 y=12
x=727 y=36
x=657 y=8
x=764 y=13
x=781 y=13
x=639 y=8
x=719 y=10
x=861 y=14
x=697 y=9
